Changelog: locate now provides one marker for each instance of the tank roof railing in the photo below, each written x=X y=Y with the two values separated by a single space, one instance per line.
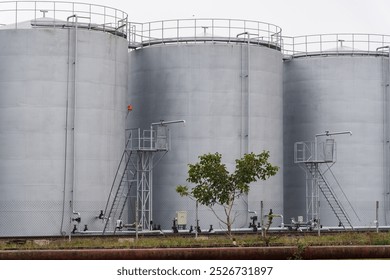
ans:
x=204 y=30
x=55 y=13
x=336 y=44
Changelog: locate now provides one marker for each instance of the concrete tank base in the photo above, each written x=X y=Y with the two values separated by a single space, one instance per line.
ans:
x=234 y=253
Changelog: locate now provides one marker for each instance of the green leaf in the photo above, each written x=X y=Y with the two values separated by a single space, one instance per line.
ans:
x=213 y=183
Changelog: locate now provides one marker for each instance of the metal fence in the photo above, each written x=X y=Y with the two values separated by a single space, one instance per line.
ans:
x=26 y=218
x=204 y=30
x=57 y=13
x=324 y=151
x=336 y=44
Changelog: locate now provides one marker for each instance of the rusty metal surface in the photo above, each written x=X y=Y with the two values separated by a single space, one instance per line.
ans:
x=251 y=253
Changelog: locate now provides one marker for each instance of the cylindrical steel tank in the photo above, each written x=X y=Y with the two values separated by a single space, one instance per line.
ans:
x=207 y=72
x=339 y=83
x=63 y=81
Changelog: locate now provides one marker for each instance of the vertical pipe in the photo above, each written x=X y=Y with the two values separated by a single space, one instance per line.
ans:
x=195 y=30
x=308 y=216
x=242 y=101
x=262 y=217
x=16 y=15
x=384 y=154
x=66 y=138
x=377 y=216
x=90 y=14
x=212 y=30
x=54 y=14
x=162 y=31
x=306 y=45
x=387 y=188
x=66 y=135
x=104 y=24
x=368 y=44
x=385 y=85
x=117 y=23
x=74 y=124
x=319 y=220
x=151 y=137
x=249 y=97
x=150 y=199
x=229 y=20
x=149 y=33
x=138 y=159
x=293 y=43
x=139 y=138
x=74 y=110
x=196 y=218
x=177 y=31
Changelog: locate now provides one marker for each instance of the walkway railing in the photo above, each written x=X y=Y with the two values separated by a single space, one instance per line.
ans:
x=56 y=13
x=204 y=30
x=336 y=44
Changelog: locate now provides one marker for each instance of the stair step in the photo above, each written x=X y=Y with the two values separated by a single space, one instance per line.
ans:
x=328 y=194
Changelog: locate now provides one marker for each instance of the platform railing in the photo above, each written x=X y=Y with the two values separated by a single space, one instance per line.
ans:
x=336 y=44
x=53 y=13
x=204 y=30
x=309 y=152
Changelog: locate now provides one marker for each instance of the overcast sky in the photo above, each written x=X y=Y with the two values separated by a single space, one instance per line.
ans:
x=295 y=17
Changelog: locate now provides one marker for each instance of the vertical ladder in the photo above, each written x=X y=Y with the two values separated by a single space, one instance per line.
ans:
x=329 y=194
x=125 y=178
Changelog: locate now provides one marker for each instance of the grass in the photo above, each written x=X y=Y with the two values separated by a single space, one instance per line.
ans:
x=122 y=242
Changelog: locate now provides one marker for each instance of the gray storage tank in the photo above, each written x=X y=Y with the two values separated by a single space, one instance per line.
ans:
x=339 y=83
x=207 y=72
x=63 y=81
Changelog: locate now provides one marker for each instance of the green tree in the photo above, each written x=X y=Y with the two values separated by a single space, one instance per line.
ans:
x=214 y=185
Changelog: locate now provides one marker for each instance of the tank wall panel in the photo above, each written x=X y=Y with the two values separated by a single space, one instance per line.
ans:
x=342 y=93
x=34 y=81
x=202 y=84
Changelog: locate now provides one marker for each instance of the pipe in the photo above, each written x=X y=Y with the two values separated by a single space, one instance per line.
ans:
x=385 y=159
x=277 y=216
x=387 y=194
x=327 y=133
x=383 y=47
x=319 y=217
x=377 y=216
x=244 y=148
x=74 y=121
x=66 y=130
x=385 y=81
x=74 y=108
x=66 y=133
x=249 y=94
x=234 y=230
x=168 y=122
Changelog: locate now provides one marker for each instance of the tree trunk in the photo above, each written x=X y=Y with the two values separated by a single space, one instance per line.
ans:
x=229 y=226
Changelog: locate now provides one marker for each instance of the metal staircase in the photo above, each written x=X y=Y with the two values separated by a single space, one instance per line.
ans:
x=329 y=194
x=133 y=177
x=124 y=180
x=312 y=156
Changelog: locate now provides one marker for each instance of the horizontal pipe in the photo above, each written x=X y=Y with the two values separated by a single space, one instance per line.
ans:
x=327 y=133
x=168 y=122
x=221 y=253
